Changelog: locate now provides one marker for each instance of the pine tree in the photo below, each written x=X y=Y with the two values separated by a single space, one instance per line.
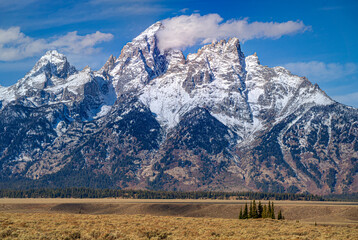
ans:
x=259 y=210
x=272 y=211
x=264 y=212
x=269 y=210
x=254 y=209
x=245 y=215
x=250 y=210
x=240 y=215
x=279 y=216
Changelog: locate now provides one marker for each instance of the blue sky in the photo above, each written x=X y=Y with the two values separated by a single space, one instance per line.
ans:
x=324 y=49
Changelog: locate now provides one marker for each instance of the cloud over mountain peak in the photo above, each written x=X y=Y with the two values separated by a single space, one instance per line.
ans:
x=185 y=31
x=15 y=45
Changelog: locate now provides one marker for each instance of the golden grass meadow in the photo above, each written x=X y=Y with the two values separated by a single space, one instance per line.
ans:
x=84 y=226
x=38 y=220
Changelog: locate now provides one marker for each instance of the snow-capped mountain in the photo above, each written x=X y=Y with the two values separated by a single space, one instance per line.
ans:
x=53 y=80
x=150 y=119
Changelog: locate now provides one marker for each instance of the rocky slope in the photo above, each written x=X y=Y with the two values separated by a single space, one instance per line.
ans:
x=149 y=119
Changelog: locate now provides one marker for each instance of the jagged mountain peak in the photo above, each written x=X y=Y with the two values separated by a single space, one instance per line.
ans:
x=51 y=69
x=107 y=67
x=139 y=62
x=231 y=46
x=146 y=41
x=53 y=56
x=150 y=32
x=54 y=80
x=87 y=69
x=53 y=63
x=109 y=63
x=252 y=60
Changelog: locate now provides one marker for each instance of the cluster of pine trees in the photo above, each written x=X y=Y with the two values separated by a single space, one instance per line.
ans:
x=148 y=194
x=259 y=211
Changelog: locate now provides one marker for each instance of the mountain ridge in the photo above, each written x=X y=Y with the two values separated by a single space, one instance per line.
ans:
x=215 y=120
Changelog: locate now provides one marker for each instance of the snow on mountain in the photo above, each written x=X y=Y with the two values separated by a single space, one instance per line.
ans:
x=6 y=96
x=218 y=77
x=152 y=118
x=139 y=62
x=51 y=70
x=274 y=93
x=210 y=78
x=238 y=91
x=107 y=67
x=54 y=80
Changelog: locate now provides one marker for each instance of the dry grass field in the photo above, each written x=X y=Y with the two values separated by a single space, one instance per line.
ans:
x=170 y=219
x=86 y=226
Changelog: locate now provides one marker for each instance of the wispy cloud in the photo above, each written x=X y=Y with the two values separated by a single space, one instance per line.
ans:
x=128 y=7
x=331 y=8
x=120 y=2
x=42 y=14
x=323 y=72
x=338 y=79
x=15 y=45
x=350 y=99
x=7 y=5
x=185 y=31
x=138 y=9
x=184 y=10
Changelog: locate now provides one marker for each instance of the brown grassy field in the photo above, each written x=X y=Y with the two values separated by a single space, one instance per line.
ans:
x=170 y=219
x=341 y=213
x=86 y=226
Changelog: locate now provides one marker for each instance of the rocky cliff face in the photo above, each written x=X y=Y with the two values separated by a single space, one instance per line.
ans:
x=149 y=119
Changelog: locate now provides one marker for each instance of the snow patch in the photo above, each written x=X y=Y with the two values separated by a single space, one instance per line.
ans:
x=105 y=109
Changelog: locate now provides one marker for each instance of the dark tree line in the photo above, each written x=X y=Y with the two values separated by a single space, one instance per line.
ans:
x=259 y=211
x=148 y=194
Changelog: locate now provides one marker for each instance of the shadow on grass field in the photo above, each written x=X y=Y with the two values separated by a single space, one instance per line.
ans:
x=334 y=213
x=86 y=226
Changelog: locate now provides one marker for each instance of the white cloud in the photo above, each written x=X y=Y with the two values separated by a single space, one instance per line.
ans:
x=15 y=45
x=350 y=99
x=74 y=43
x=11 y=34
x=184 y=10
x=322 y=72
x=185 y=31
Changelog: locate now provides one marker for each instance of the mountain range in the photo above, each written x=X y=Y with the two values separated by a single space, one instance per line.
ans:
x=154 y=119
